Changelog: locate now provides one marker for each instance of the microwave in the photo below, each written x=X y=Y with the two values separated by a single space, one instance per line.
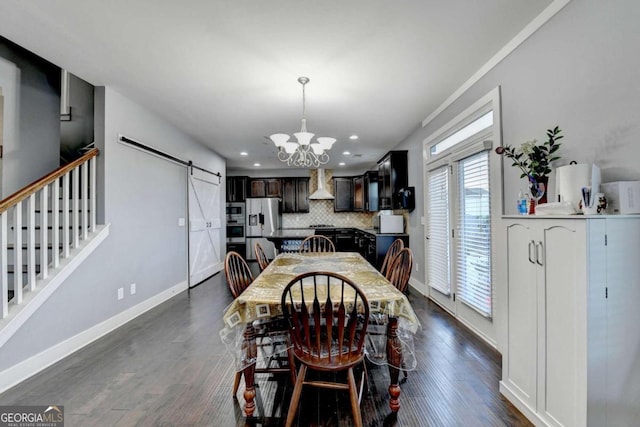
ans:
x=235 y=210
x=389 y=223
x=235 y=233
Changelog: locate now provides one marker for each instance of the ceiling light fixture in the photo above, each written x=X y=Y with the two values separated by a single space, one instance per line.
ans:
x=304 y=153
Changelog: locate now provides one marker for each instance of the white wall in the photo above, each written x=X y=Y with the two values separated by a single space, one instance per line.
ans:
x=579 y=71
x=144 y=196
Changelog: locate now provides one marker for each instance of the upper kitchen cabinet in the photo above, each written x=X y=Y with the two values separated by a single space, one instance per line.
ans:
x=343 y=193
x=237 y=188
x=295 y=195
x=365 y=192
x=393 y=176
x=358 y=193
x=265 y=187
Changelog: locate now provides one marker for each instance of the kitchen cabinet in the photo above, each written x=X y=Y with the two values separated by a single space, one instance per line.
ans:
x=370 y=187
x=358 y=193
x=392 y=176
x=373 y=246
x=572 y=284
x=236 y=188
x=265 y=187
x=295 y=195
x=343 y=194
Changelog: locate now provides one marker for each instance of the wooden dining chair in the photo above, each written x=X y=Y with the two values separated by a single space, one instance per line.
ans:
x=269 y=333
x=328 y=335
x=317 y=243
x=399 y=271
x=238 y=273
x=393 y=250
x=261 y=257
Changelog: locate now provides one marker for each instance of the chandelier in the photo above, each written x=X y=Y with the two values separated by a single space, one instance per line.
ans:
x=304 y=153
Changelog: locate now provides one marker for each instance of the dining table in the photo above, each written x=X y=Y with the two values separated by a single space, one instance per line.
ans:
x=390 y=331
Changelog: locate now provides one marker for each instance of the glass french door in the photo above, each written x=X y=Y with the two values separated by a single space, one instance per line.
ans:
x=459 y=235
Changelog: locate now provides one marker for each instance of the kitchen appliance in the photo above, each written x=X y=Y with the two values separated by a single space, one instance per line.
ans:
x=572 y=178
x=263 y=218
x=235 y=222
x=236 y=240
x=388 y=223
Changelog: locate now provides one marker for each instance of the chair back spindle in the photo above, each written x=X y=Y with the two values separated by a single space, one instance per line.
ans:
x=317 y=243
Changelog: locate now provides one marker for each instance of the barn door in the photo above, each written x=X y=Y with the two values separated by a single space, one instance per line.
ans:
x=205 y=237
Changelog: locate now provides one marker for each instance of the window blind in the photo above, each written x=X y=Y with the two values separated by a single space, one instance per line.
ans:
x=473 y=242
x=439 y=272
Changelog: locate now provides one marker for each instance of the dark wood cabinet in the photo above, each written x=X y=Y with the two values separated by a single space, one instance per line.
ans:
x=295 y=195
x=265 y=187
x=373 y=247
x=236 y=188
x=370 y=191
x=392 y=177
x=343 y=194
x=358 y=194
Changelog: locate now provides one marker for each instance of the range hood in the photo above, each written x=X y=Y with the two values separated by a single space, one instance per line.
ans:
x=321 y=193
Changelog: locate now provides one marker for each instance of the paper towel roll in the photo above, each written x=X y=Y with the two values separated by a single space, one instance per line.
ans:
x=571 y=179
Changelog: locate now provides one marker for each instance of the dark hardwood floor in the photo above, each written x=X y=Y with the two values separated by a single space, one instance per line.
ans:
x=169 y=368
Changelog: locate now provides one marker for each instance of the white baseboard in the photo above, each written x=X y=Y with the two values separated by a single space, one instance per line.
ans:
x=27 y=368
x=526 y=410
x=417 y=286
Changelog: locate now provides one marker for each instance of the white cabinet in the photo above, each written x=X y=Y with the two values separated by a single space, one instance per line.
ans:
x=571 y=283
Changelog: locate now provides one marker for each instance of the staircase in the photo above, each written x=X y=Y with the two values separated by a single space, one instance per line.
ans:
x=46 y=229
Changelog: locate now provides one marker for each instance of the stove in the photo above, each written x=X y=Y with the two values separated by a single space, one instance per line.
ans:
x=322 y=226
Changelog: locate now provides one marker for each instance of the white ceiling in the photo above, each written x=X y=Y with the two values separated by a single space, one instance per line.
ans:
x=226 y=71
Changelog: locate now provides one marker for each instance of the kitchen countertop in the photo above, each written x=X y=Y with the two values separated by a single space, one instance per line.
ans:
x=291 y=233
x=301 y=233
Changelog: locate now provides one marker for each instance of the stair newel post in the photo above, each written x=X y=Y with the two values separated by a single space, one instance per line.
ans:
x=31 y=242
x=44 y=232
x=17 y=253
x=66 y=226
x=55 y=225
x=75 y=195
x=84 y=196
x=4 y=277
x=92 y=195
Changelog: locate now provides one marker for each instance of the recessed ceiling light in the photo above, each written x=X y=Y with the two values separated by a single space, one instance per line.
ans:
x=346 y=153
x=341 y=164
x=354 y=137
x=256 y=164
x=244 y=153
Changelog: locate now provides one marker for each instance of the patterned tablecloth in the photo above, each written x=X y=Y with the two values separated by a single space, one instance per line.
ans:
x=261 y=300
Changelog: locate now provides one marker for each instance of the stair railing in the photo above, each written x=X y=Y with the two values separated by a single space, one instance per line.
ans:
x=58 y=210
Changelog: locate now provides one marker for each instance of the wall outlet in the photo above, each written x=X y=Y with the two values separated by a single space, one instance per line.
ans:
x=132 y=288
x=120 y=293
x=181 y=222
x=417 y=266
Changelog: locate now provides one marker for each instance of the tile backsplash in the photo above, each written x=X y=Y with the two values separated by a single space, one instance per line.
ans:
x=321 y=212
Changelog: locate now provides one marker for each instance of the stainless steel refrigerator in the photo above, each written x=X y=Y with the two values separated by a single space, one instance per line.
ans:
x=264 y=216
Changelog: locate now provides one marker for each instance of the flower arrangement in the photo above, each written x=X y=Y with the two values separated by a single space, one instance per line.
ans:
x=534 y=159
